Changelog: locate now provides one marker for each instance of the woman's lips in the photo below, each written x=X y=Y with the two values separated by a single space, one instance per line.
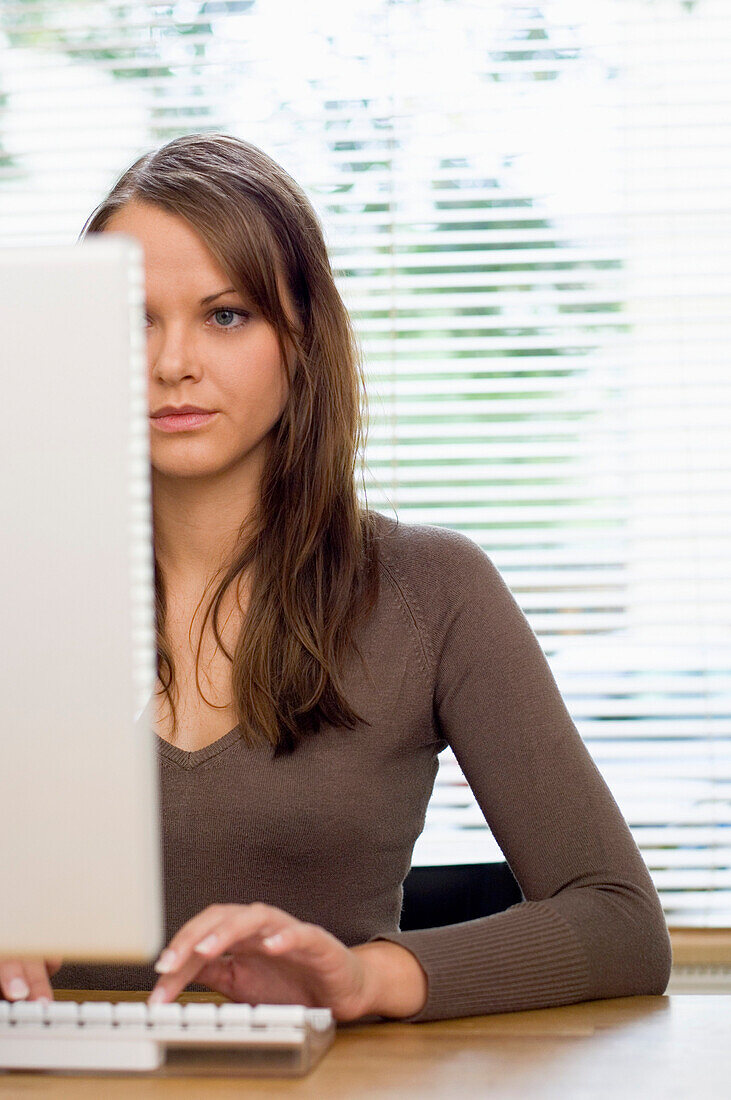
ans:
x=183 y=422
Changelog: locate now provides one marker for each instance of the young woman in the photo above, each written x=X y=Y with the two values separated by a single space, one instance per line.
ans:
x=340 y=653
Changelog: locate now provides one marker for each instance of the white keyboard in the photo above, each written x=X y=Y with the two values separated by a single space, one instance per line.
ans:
x=134 y=1036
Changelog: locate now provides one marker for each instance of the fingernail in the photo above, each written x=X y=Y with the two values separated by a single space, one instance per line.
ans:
x=207 y=944
x=167 y=962
x=17 y=988
x=273 y=941
x=157 y=996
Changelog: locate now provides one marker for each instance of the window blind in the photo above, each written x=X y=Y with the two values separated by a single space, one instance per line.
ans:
x=528 y=211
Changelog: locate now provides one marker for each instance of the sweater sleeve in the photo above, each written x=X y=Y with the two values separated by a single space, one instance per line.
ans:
x=591 y=925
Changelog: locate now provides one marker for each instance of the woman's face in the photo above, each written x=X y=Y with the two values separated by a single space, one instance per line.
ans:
x=220 y=355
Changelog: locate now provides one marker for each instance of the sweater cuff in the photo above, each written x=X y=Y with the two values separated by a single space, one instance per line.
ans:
x=526 y=957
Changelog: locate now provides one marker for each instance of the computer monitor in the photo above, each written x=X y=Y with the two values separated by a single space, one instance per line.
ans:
x=80 y=861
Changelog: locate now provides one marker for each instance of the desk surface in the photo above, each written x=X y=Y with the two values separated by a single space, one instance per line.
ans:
x=671 y=1047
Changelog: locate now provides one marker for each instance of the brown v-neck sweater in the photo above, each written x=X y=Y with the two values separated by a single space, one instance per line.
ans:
x=327 y=833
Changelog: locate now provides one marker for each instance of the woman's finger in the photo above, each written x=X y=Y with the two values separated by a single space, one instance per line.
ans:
x=182 y=942
x=36 y=975
x=276 y=937
x=168 y=986
x=13 y=983
x=219 y=974
x=241 y=924
x=191 y=953
x=53 y=965
x=249 y=919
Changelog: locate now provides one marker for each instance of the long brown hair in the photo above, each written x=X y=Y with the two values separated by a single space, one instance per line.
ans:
x=310 y=547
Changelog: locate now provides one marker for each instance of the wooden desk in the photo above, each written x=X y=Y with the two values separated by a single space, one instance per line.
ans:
x=671 y=1048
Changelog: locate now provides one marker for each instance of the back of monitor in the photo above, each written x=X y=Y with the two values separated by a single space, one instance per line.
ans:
x=80 y=863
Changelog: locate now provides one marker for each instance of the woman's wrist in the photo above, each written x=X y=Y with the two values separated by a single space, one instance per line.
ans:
x=395 y=982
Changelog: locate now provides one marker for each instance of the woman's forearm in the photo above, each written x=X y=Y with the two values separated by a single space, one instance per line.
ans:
x=395 y=980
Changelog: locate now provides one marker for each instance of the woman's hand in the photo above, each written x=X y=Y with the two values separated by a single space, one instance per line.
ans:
x=27 y=979
x=260 y=954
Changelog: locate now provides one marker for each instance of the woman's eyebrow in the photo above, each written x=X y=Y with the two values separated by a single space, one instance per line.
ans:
x=210 y=298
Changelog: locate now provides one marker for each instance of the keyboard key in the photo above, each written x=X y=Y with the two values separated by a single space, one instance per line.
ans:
x=234 y=1015
x=319 y=1019
x=199 y=1015
x=96 y=1013
x=130 y=1013
x=281 y=1015
x=165 y=1014
x=27 y=1012
x=62 y=1012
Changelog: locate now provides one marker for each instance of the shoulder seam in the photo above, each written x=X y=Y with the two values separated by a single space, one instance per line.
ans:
x=411 y=604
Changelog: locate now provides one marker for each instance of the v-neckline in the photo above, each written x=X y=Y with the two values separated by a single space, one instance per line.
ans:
x=191 y=758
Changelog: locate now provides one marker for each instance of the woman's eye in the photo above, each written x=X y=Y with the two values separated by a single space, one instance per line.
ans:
x=230 y=313
x=226 y=315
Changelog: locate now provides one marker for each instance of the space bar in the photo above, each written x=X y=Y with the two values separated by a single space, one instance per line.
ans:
x=47 y=1052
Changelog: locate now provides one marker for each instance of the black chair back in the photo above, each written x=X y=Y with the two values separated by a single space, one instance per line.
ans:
x=435 y=896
